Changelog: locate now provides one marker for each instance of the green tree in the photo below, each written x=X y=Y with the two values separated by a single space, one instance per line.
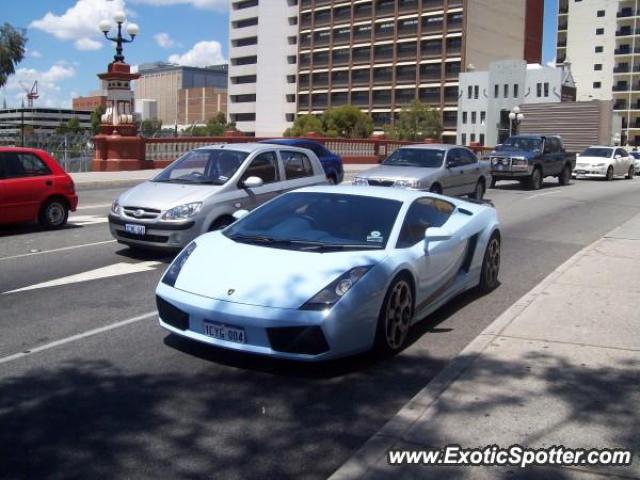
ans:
x=416 y=122
x=73 y=125
x=347 y=121
x=62 y=128
x=12 y=49
x=149 y=127
x=96 y=118
x=303 y=125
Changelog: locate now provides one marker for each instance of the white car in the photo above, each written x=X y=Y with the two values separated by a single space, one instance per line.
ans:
x=636 y=158
x=604 y=162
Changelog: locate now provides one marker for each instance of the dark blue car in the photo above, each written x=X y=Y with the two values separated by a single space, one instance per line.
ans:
x=331 y=162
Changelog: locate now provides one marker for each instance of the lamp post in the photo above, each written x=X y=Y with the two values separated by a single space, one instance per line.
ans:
x=119 y=40
x=515 y=118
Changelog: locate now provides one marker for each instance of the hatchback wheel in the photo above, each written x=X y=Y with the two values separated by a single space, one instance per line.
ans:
x=54 y=214
x=395 y=317
x=436 y=188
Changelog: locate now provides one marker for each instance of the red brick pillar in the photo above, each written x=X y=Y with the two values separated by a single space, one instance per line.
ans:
x=116 y=152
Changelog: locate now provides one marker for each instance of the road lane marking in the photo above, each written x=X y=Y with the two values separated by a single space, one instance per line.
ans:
x=87 y=219
x=96 y=205
x=55 y=250
x=79 y=336
x=550 y=192
x=114 y=270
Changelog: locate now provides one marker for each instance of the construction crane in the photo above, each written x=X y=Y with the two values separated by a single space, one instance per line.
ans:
x=32 y=93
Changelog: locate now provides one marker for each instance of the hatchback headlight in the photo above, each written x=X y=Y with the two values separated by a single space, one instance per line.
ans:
x=360 y=181
x=183 y=212
x=116 y=209
x=171 y=275
x=407 y=184
x=329 y=295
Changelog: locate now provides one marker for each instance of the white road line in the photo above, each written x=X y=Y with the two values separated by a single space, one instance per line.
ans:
x=114 y=270
x=87 y=219
x=550 y=192
x=79 y=336
x=97 y=205
x=55 y=250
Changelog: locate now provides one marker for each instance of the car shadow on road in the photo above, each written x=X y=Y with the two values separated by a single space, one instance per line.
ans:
x=146 y=255
x=514 y=186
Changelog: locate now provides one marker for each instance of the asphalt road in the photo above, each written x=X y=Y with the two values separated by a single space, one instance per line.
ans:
x=91 y=387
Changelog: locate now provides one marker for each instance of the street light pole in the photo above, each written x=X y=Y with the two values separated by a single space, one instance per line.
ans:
x=515 y=118
x=119 y=39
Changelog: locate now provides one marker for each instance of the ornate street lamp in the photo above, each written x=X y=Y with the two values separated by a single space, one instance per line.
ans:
x=515 y=118
x=119 y=40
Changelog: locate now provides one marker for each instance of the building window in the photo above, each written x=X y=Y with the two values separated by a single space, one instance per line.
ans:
x=473 y=118
x=469 y=92
x=597 y=84
x=243 y=42
x=291 y=79
x=483 y=116
x=506 y=90
x=291 y=97
x=463 y=138
x=600 y=13
x=290 y=117
x=476 y=92
x=599 y=49
x=464 y=117
x=599 y=31
x=516 y=89
x=496 y=91
x=597 y=67
x=546 y=89
x=538 y=90
x=482 y=139
x=473 y=137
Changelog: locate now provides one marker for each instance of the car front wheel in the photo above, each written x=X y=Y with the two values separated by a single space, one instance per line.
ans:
x=534 y=182
x=609 y=176
x=395 y=317
x=478 y=193
x=54 y=214
x=565 y=176
x=630 y=173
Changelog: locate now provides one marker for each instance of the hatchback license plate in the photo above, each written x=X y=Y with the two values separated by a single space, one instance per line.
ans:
x=135 y=229
x=224 y=332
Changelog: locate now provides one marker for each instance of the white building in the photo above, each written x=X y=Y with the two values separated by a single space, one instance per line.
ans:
x=147 y=108
x=599 y=38
x=263 y=63
x=486 y=98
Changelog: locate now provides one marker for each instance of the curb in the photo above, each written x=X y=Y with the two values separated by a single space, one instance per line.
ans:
x=374 y=449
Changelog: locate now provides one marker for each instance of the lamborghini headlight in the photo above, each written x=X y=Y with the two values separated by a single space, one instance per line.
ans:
x=171 y=275
x=329 y=295
x=182 y=212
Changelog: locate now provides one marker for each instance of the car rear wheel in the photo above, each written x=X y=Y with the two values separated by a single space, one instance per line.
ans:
x=54 y=214
x=436 y=188
x=490 y=265
x=534 y=182
x=493 y=182
x=609 y=176
x=331 y=180
x=478 y=193
x=630 y=173
x=565 y=176
x=395 y=317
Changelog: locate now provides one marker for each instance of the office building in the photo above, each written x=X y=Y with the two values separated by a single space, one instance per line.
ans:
x=487 y=97
x=162 y=82
x=380 y=55
x=38 y=121
x=599 y=39
x=262 y=71
x=199 y=104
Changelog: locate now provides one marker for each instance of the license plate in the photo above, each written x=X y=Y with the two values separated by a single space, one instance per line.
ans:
x=135 y=229
x=224 y=332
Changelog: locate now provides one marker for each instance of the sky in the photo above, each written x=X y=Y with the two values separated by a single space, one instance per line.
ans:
x=66 y=50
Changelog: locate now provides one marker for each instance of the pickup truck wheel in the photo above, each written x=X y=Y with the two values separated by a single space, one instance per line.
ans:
x=534 y=182
x=565 y=176
x=436 y=188
x=493 y=182
x=630 y=173
x=478 y=193
x=609 y=176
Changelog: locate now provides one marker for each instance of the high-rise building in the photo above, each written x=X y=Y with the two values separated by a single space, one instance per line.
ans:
x=262 y=70
x=380 y=55
x=599 y=39
x=163 y=82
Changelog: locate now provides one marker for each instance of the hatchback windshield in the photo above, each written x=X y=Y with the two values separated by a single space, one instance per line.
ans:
x=597 y=152
x=319 y=222
x=522 y=143
x=203 y=166
x=416 y=157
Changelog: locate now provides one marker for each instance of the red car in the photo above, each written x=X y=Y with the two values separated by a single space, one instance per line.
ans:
x=34 y=187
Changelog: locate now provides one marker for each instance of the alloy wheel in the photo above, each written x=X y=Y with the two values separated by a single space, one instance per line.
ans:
x=493 y=262
x=398 y=315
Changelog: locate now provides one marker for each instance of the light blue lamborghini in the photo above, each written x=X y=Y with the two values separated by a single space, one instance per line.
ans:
x=326 y=272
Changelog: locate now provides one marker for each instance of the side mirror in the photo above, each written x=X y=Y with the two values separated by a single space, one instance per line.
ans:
x=618 y=157
x=437 y=234
x=252 y=182
x=452 y=164
x=238 y=214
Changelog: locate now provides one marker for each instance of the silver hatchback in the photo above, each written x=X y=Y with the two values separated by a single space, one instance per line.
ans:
x=445 y=169
x=201 y=190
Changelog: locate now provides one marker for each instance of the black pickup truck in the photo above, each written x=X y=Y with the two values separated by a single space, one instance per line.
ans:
x=530 y=158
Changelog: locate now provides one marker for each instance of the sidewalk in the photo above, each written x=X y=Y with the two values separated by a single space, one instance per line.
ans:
x=559 y=367
x=99 y=180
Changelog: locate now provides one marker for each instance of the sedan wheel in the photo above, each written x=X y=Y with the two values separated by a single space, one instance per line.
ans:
x=630 y=173
x=478 y=193
x=395 y=317
x=490 y=265
x=609 y=176
x=436 y=189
